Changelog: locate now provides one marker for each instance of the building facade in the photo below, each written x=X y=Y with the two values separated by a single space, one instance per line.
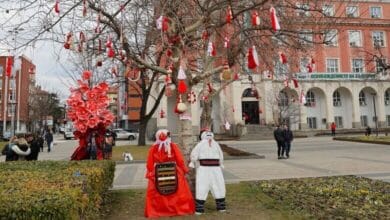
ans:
x=343 y=81
x=15 y=91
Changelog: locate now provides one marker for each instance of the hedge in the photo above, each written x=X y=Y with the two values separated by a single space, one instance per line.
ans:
x=54 y=189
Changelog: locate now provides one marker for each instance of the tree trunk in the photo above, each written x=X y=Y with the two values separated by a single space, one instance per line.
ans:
x=205 y=118
x=142 y=132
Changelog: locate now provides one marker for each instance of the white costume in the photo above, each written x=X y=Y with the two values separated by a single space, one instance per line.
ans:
x=207 y=156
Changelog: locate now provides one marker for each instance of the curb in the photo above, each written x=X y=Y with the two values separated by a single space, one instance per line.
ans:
x=361 y=141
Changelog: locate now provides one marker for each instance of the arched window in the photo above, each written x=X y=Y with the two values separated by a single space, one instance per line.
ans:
x=387 y=97
x=283 y=99
x=362 y=98
x=310 y=98
x=336 y=98
x=248 y=93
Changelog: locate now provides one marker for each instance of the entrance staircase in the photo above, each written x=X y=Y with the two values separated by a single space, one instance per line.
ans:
x=258 y=132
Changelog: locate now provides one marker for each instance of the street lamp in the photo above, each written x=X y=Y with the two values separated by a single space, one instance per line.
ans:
x=375 y=118
x=12 y=102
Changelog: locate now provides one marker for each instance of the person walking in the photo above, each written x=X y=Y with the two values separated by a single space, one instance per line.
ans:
x=17 y=149
x=333 y=129
x=108 y=144
x=34 y=146
x=288 y=138
x=279 y=137
x=49 y=139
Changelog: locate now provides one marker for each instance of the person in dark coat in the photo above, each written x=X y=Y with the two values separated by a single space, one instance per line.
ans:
x=16 y=149
x=288 y=138
x=40 y=141
x=49 y=139
x=108 y=144
x=34 y=146
x=279 y=137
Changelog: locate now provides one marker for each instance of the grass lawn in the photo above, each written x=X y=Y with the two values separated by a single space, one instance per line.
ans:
x=345 y=197
x=2 y=144
x=243 y=202
x=141 y=152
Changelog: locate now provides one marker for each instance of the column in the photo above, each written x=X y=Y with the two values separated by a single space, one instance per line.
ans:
x=380 y=107
x=355 y=108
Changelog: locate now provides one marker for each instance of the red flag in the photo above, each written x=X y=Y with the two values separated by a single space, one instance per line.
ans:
x=283 y=58
x=57 y=7
x=274 y=19
x=229 y=15
x=253 y=59
x=8 y=66
x=255 y=19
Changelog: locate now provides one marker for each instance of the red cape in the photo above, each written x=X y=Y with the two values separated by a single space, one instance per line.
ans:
x=179 y=203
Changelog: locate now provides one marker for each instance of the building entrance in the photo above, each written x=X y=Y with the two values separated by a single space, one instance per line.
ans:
x=250 y=112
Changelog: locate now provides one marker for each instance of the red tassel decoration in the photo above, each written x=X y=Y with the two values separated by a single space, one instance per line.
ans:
x=8 y=69
x=209 y=88
x=274 y=19
x=109 y=42
x=226 y=42
x=211 y=50
x=282 y=58
x=68 y=41
x=205 y=35
x=111 y=53
x=99 y=62
x=169 y=52
x=57 y=7
x=182 y=87
x=31 y=70
x=165 y=24
x=253 y=59
x=229 y=15
x=84 y=8
x=309 y=68
x=255 y=19
x=295 y=81
x=236 y=76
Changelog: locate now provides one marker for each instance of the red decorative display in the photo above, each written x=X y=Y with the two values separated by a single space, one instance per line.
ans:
x=274 y=19
x=229 y=15
x=255 y=19
x=253 y=59
x=90 y=116
x=57 y=7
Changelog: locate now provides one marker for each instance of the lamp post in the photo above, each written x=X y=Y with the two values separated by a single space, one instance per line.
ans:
x=13 y=103
x=375 y=118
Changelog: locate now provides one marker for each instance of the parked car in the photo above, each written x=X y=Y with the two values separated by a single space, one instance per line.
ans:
x=68 y=134
x=123 y=134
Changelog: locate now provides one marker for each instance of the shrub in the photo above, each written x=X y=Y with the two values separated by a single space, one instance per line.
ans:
x=53 y=189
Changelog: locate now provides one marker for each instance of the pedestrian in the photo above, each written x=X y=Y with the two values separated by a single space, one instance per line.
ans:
x=107 y=147
x=92 y=148
x=40 y=140
x=168 y=192
x=288 y=138
x=49 y=139
x=17 y=149
x=368 y=131
x=34 y=146
x=333 y=129
x=279 y=137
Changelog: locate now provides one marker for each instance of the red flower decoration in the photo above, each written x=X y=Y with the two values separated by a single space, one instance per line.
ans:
x=86 y=75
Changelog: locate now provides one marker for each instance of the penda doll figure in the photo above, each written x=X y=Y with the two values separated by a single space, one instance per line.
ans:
x=168 y=193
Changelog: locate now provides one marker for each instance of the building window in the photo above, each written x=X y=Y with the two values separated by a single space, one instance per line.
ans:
x=357 y=65
x=355 y=39
x=336 y=99
x=281 y=68
x=10 y=97
x=283 y=99
x=363 y=120
x=303 y=9
x=388 y=120
x=352 y=11
x=380 y=64
x=376 y=12
x=312 y=122
x=305 y=37
x=339 y=121
x=378 y=38
x=387 y=97
x=10 y=110
x=310 y=98
x=362 y=99
x=303 y=64
x=332 y=65
x=328 y=10
x=331 y=38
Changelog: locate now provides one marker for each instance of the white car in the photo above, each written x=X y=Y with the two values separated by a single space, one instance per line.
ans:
x=122 y=134
x=68 y=134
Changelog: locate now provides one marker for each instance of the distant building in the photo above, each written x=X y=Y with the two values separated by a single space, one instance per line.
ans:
x=15 y=93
